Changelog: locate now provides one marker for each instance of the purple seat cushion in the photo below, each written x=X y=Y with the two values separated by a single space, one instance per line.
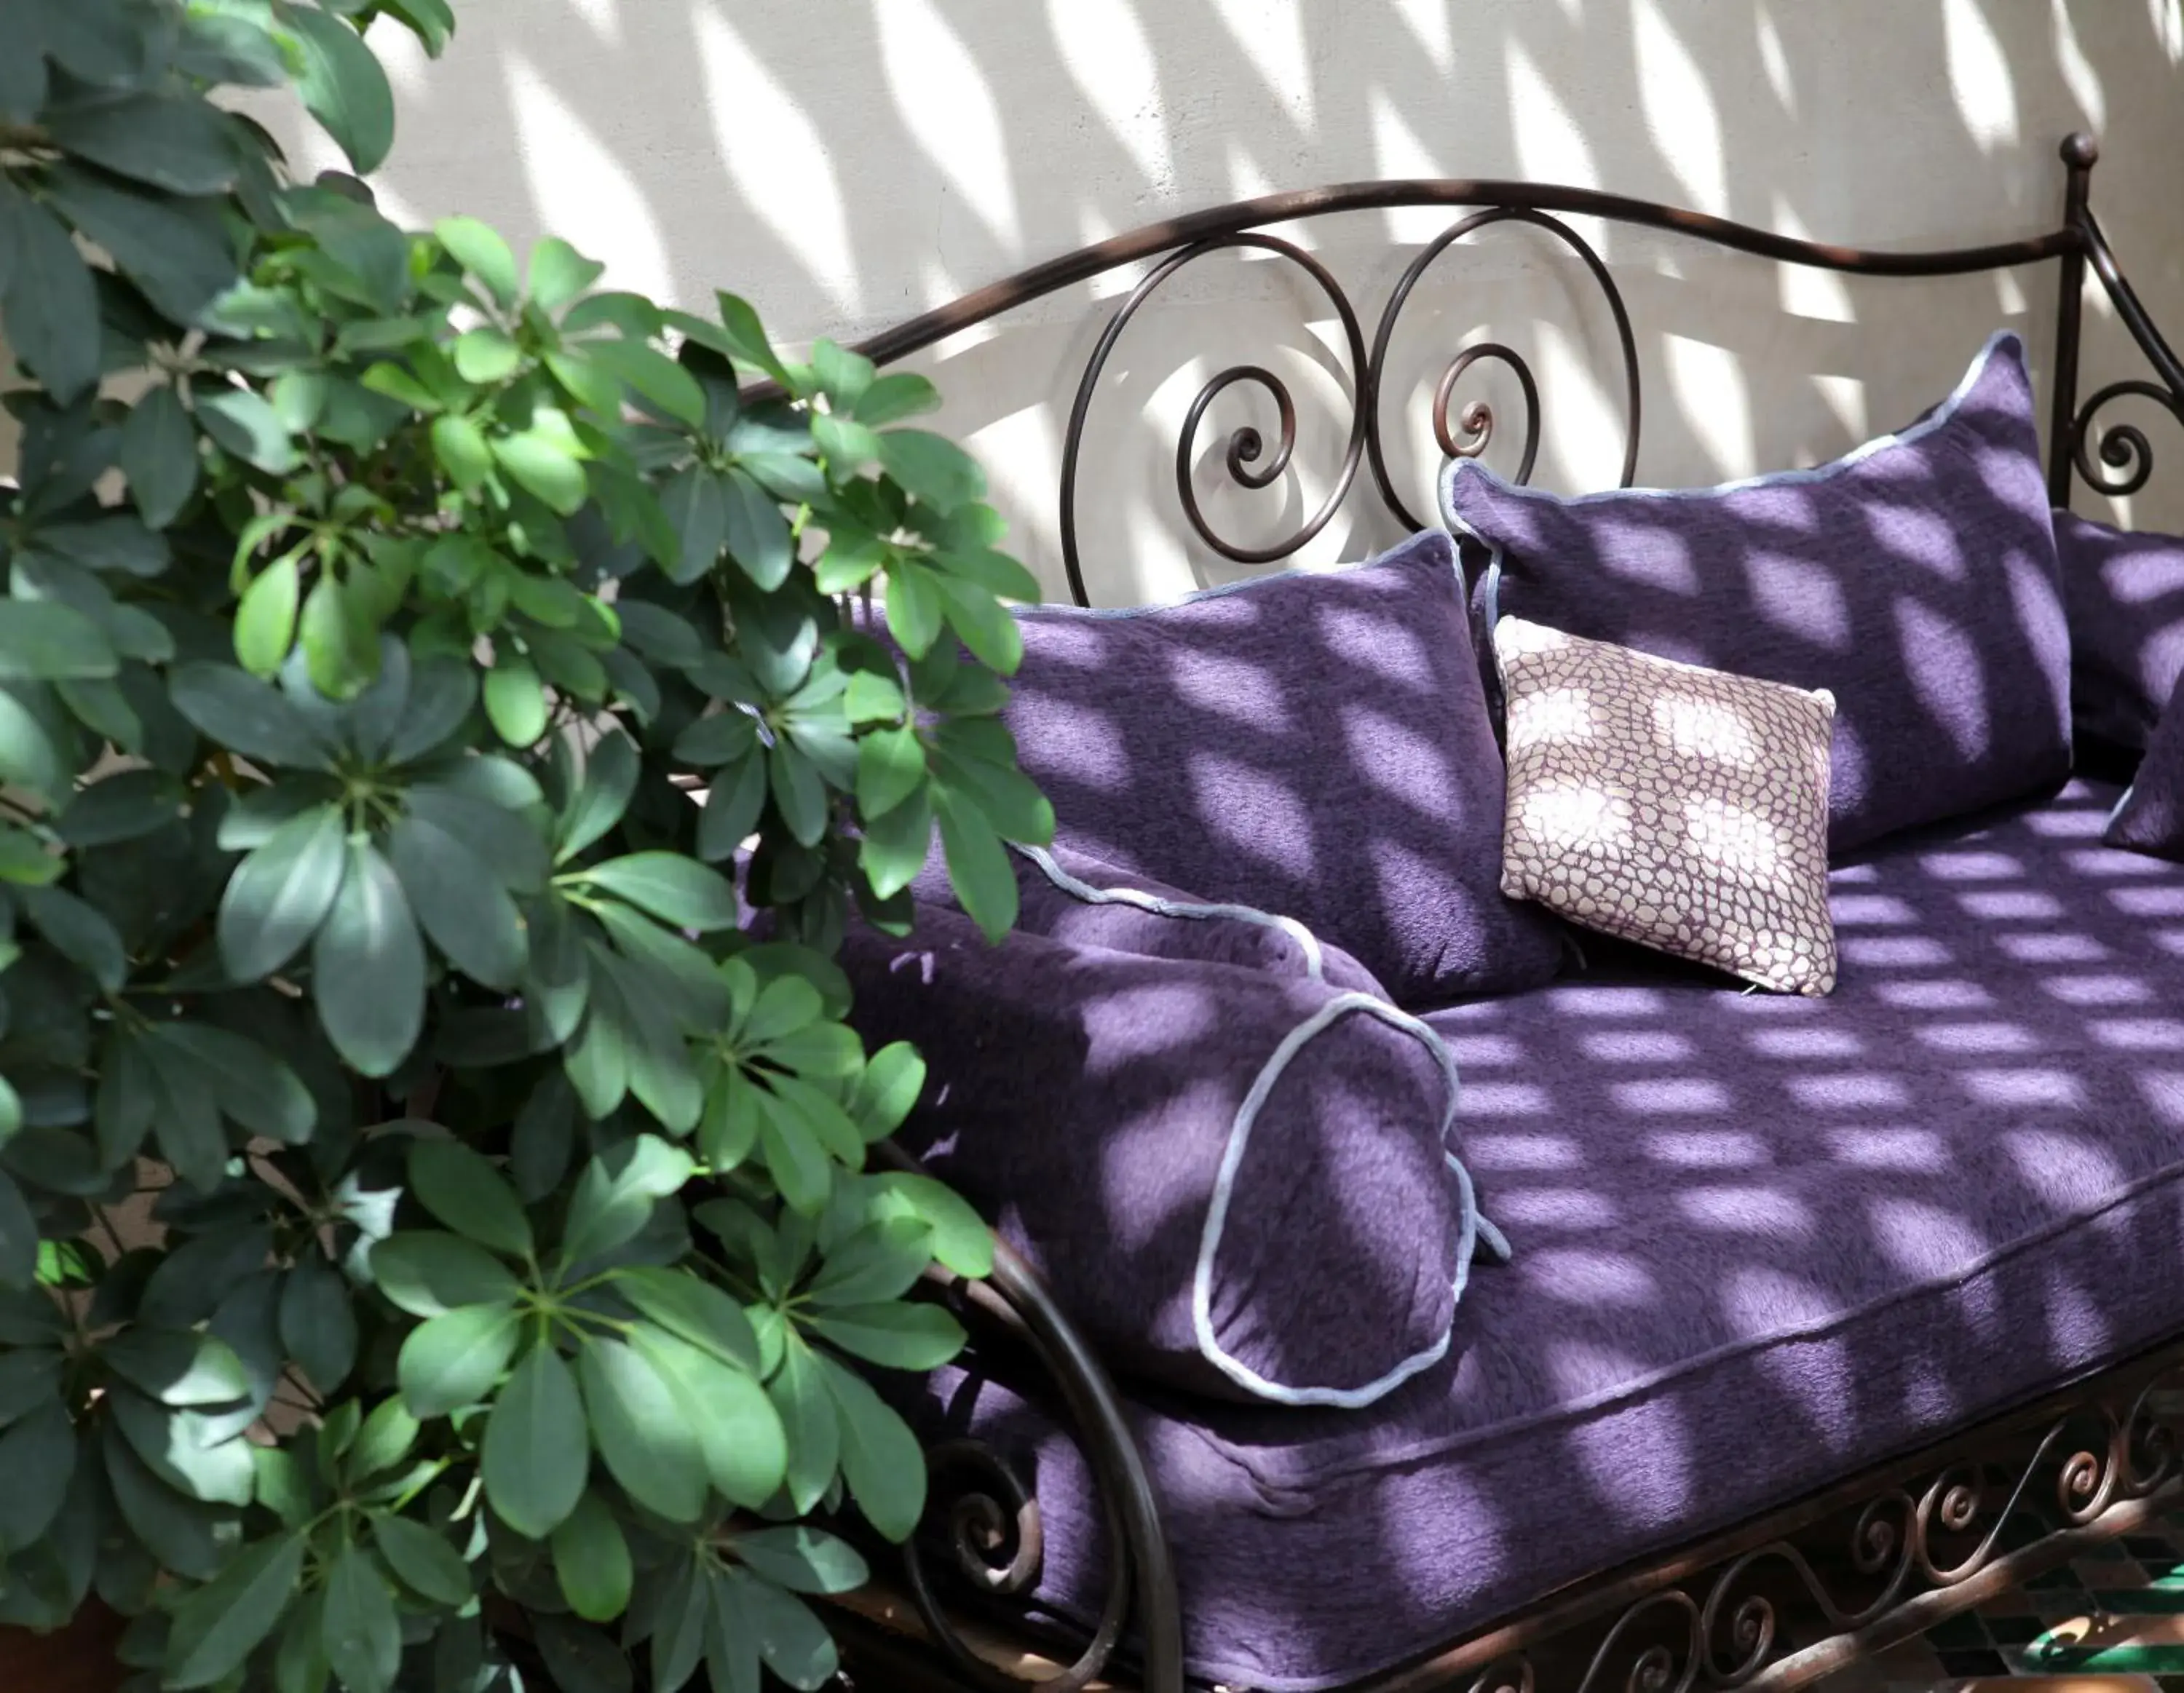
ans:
x=1759 y=1242
x=1098 y=1106
x=2125 y=593
x=1073 y=897
x=2150 y=817
x=1915 y=580
x=1314 y=744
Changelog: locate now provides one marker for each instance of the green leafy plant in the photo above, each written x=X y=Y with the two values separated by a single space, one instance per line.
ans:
x=429 y=1196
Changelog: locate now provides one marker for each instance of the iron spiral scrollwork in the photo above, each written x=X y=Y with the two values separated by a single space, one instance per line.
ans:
x=2124 y=448
x=1750 y=1619
x=1247 y=459
x=1478 y=421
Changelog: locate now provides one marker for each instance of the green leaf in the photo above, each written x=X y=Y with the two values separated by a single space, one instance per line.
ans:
x=896 y=395
x=799 y=794
x=880 y=1260
x=794 y=1643
x=880 y=1457
x=423 y=1560
x=591 y=1561
x=757 y=533
x=746 y=336
x=179 y=142
x=890 y=768
x=486 y=354
x=187 y=1538
x=653 y=374
x=454 y=1361
x=340 y=637
x=386 y=1438
x=361 y=1633
x=932 y=468
x=678 y=1638
x=987 y=628
x=280 y=894
x=80 y=932
x=29 y=1377
x=913 y=607
x=901 y=1336
x=244 y=423
x=615 y=1195
x=37 y=1459
x=515 y=700
x=695 y=503
x=427 y=1272
x=610 y=778
x=731 y=1633
x=318 y=1322
x=746 y=1452
x=368 y=967
x=535 y=1459
x=544 y=458
x=460 y=447
x=459 y=902
x=265 y=618
x=896 y=844
x=345 y=89
x=699 y=1313
x=124 y=806
x=178 y=1448
x=732 y=805
x=218 y=1626
x=558 y=273
x=802 y=1559
x=177 y=1367
x=813 y=1424
x=257 y=1090
x=642 y=1431
x=676 y=889
x=18 y=1237
x=961 y=1239
x=244 y=716
x=479 y=249
x=49 y=304
x=465 y=1191
x=978 y=868
x=42 y=640
x=177 y=251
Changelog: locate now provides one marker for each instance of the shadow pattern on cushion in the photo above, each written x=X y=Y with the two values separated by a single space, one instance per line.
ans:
x=2125 y=594
x=2150 y=818
x=1915 y=579
x=1761 y=1242
x=1313 y=742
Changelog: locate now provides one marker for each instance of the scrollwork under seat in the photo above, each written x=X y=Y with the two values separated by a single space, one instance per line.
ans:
x=1826 y=1317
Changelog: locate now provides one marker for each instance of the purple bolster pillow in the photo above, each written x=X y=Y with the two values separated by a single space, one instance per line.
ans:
x=2150 y=816
x=1086 y=901
x=1915 y=579
x=1238 y=1182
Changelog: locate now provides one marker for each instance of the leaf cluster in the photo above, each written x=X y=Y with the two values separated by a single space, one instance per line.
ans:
x=448 y=710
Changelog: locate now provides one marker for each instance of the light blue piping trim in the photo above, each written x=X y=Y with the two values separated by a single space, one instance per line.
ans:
x=1305 y=939
x=1474 y=1230
x=1819 y=473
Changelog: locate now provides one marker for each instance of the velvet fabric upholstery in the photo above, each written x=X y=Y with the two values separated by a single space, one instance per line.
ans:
x=1085 y=1099
x=1141 y=915
x=2125 y=593
x=2150 y=817
x=1314 y=744
x=1759 y=1242
x=1915 y=580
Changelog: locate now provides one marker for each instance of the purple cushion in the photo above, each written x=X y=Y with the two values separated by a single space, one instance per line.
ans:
x=1914 y=579
x=2150 y=818
x=2125 y=593
x=1313 y=744
x=1098 y=1106
x=1086 y=901
x=1762 y=1243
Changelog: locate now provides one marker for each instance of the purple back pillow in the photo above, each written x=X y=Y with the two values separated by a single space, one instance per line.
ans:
x=2150 y=816
x=2125 y=594
x=1915 y=579
x=1099 y=1107
x=1073 y=897
x=1313 y=744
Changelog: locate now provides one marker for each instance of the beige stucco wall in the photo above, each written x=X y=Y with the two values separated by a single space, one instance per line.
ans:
x=845 y=163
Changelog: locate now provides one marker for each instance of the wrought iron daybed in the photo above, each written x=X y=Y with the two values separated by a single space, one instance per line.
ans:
x=1846 y=1567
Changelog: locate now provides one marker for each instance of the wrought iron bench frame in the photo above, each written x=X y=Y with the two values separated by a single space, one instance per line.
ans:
x=1770 y=1603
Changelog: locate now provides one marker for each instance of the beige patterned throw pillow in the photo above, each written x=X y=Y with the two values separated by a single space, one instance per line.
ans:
x=1681 y=808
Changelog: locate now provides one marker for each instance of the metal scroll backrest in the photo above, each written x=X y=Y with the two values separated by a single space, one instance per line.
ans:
x=2118 y=462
